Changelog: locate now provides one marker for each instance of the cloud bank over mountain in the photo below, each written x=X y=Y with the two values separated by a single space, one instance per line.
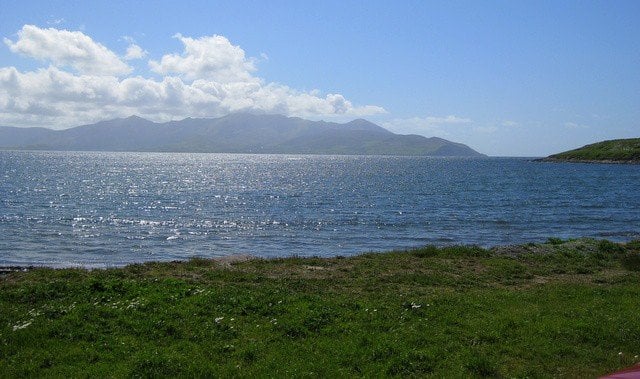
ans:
x=82 y=81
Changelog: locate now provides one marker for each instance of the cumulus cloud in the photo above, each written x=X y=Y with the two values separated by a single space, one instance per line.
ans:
x=213 y=58
x=66 y=48
x=210 y=78
x=135 y=52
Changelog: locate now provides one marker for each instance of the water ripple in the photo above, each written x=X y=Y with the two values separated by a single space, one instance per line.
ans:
x=110 y=209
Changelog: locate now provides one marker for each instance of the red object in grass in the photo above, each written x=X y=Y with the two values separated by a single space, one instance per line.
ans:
x=627 y=373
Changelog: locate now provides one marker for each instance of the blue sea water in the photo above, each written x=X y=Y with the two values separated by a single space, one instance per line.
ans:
x=92 y=209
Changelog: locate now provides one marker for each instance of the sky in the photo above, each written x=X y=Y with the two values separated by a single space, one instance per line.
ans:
x=507 y=78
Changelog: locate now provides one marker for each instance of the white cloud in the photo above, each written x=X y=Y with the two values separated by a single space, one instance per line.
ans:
x=573 y=125
x=486 y=129
x=448 y=120
x=431 y=125
x=135 y=52
x=210 y=78
x=56 y=21
x=65 y=48
x=212 y=58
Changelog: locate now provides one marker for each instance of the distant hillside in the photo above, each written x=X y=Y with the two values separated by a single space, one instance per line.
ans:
x=614 y=151
x=235 y=133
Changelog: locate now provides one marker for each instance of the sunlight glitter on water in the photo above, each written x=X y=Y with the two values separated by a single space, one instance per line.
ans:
x=103 y=209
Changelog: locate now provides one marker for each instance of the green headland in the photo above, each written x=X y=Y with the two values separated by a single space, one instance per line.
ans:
x=614 y=151
x=557 y=309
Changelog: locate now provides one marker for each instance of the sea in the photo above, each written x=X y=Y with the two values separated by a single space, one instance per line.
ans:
x=100 y=210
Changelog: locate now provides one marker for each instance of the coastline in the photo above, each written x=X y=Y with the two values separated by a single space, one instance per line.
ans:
x=558 y=308
x=223 y=261
x=619 y=151
x=584 y=244
x=590 y=161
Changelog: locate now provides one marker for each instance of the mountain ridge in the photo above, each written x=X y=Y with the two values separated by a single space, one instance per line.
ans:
x=233 y=133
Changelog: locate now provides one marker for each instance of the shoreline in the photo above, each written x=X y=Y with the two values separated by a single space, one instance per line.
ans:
x=510 y=250
x=561 y=308
x=589 y=161
x=618 y=151
x=224 y=261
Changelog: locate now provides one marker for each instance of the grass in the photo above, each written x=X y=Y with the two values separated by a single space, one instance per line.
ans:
x=622 y=150
x=558 y=309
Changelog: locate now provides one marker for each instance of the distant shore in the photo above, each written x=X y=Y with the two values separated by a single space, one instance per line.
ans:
x=594 y=161
x=620 y=151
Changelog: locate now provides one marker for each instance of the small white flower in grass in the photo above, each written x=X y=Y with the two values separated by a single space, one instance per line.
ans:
x=34 y=313
x=218 y=319
x=21 y=326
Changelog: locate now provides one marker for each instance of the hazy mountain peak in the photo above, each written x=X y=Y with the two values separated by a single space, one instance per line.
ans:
x=134 y=117
x=234 y=133
x=362 y=124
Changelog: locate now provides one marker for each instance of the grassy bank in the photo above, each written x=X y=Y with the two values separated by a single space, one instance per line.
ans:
x=562 y=309
x=615 y=151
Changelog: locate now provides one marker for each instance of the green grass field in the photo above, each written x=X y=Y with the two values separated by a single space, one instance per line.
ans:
x=559 y=309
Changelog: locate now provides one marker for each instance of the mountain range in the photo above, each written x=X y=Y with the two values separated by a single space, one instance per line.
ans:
x=234 y=133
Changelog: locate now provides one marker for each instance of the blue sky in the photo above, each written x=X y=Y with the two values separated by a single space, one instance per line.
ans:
x=508 y=78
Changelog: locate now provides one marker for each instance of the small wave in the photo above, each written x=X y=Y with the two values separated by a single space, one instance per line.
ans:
x=628 y=234
x=149 y=223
